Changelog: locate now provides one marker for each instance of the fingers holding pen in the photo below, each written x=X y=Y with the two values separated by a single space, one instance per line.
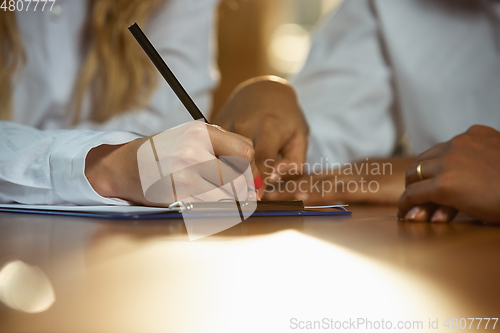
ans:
x=229 y=145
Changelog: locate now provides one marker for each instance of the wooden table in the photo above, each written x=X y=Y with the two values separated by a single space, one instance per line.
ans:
x=264 y=275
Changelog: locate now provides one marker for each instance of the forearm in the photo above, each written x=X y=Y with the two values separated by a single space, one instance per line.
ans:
x=376 y=181
x=388 y=175
x=47 y=167
x=112 y=171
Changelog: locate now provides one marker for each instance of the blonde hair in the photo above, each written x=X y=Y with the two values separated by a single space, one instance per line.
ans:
x=11 y=58
x=116 y=73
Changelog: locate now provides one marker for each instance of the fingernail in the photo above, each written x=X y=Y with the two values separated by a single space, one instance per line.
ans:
x=412 y=214
x=258 y=183
x=439 y=216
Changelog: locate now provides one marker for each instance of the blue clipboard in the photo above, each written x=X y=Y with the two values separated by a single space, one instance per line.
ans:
x=265 y=209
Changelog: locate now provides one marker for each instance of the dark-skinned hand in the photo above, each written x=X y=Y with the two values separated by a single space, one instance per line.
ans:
x=266 y=110
x=462 y=174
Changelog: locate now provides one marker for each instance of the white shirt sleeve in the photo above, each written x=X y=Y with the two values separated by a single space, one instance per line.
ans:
x=48 y=167
x=183 y=32
x=345 y=89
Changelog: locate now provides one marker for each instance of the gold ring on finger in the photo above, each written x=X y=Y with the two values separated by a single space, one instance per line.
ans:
x=419 y=171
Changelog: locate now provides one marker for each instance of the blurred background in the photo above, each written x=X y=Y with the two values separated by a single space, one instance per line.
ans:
x=259 y=37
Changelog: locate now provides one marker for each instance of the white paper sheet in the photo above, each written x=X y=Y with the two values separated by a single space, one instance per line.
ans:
x=126 y=210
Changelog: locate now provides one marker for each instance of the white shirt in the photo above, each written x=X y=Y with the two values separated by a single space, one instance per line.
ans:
x=427 y=67
x=41 y=160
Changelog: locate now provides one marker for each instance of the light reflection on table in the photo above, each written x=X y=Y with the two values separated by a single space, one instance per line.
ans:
x=145 y=276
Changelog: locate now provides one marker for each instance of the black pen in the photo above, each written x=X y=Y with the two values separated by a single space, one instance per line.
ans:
x=176 y=86
x=165 y=71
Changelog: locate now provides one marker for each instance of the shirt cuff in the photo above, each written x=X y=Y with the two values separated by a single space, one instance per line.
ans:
x=67 y=167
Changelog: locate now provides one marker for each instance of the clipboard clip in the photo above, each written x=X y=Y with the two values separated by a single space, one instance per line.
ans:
x=228 y=205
